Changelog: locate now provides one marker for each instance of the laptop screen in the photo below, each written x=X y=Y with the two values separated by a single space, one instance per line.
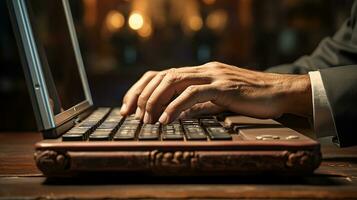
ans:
x=60 y=68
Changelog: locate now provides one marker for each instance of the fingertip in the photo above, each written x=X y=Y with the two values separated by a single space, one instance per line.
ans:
x=164 y=118
x=124 y=109
x=147 y=118
x=138 y=113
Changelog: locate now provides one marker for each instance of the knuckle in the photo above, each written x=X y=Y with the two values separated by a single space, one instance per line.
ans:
x=150 y=73
x=216 y=67
x=136 y=93
x=172 y=76
x=213 y=64
x=173 y=69
x=223 y=86
x=162 y=73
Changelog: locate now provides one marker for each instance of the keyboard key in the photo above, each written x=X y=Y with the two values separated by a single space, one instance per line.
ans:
x=108 y=125
x=100 y=135
x=131 y=123
x=172 y=131
x=172 y=137
x=76 y=134
x=195 y=132
x=116 y=119
x=209 y=122
x=88 y=124
x=190 y=122
x=196 y=136
x=148 y=135
x=98 y=114
x=130 y=117
x=128 y=129
x=218 y=133
x=94 y=119
x=175 y=135
x=115 y=112
x=149 y=132
x=124 y=134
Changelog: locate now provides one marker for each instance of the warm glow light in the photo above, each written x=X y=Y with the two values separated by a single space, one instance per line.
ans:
x=136 y=21
x=217 y=20
x=208 y=2
x=90 y=12
x=195 y=23
x=114 y=21
x=145 y=31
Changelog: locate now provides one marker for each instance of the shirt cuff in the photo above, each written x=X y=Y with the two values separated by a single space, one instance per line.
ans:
x=323 y=120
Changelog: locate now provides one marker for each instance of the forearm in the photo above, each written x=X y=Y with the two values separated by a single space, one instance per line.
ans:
x=297 y=98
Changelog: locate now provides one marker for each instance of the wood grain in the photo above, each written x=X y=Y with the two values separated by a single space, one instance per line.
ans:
x=16 y=153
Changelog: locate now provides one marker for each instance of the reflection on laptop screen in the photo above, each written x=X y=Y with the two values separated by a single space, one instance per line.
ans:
x=59 y=63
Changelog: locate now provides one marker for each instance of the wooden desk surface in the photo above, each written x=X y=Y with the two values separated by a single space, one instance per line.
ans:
x=19 y=178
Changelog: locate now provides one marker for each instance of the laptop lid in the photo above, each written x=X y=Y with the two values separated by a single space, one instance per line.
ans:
x=52 y=62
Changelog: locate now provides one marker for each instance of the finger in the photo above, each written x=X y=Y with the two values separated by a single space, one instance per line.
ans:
x=153 y=84
x=145 y=94
x=207 y=108
x=130 y=98
x=192 y=95
x=172 y=85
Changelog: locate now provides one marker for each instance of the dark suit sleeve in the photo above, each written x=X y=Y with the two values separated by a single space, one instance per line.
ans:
x=336 y=59
x=341 y=89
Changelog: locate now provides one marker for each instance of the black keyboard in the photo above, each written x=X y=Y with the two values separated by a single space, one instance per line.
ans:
x=105 y=124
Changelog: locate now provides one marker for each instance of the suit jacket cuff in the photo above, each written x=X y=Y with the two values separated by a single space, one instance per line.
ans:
x=323 y=121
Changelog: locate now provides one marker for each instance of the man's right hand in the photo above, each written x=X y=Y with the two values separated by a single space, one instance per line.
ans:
x=215 y=87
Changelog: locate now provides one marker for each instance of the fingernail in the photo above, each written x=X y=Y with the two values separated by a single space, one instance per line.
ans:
x=138 y=113
x=163 y=118
x=123 y=109
x=147 y=118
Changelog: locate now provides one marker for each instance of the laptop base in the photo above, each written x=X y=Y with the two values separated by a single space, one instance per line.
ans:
x=245 y=154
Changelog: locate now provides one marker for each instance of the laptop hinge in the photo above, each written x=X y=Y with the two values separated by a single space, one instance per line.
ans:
x=58 y=131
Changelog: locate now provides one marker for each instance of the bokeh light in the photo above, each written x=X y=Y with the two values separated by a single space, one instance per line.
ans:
x=195 y=23
x=209 y=2
x=146 y=30
x=136 y=21
x=217 y=20
x=114 y=21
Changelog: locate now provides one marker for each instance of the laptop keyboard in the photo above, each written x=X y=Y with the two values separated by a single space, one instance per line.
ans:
x=105 y=124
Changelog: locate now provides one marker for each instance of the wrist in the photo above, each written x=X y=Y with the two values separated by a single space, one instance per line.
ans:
x=298 y=95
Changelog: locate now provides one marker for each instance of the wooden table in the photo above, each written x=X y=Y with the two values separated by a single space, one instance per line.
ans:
x=19 y=178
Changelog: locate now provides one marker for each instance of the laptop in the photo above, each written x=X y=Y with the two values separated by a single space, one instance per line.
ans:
x=79 y=138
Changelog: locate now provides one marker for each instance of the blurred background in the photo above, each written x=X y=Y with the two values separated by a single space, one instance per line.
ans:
x=121 y=39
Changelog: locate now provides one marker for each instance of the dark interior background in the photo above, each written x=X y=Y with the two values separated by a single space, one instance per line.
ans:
x=121 y=39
